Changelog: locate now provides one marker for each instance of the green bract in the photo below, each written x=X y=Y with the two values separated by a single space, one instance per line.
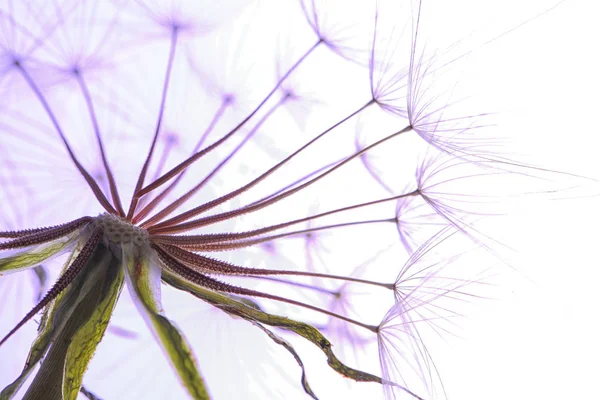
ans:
x=26 y=258
x=143 y=279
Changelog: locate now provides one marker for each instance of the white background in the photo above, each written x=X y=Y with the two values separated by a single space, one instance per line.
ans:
x=540 y=342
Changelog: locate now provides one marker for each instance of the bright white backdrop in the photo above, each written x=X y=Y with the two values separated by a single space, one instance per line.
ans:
x=540 y=341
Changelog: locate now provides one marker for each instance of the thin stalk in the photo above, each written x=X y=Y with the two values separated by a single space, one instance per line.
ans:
x=161 y=228
x=27 y=232
x=211 y=238
x=207 y=265
x=180 y=201
x=45 y=235
x=142 y=176
x=154 y=203
x=213 y=284
x=297 y=284
x=185 y=164
x=214 y=203
x=298 y=181
x=88 y=178
x=111 y=180
x=218 y=246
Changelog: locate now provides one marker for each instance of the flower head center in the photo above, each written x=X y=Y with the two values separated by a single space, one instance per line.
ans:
x=118 y=230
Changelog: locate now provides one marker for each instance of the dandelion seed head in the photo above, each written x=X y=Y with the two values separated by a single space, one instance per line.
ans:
x=243 y=169
x=119 y=231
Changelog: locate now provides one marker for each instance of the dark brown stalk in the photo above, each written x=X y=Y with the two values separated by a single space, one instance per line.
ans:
x=154 y=203
x=114 y=192
x=167 y=227
x=219 y=237
x=44 y=235
x=27 y=232
x=185 y=164
x=177 y=203
x=63 y=282
x=214 y=203
x=161 y=111
x=298 y=181
x=219 y=246
x=297 y=284
x=202 y=264
x=213 y=284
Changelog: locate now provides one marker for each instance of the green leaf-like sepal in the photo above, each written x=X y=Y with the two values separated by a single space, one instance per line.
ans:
x=86 y=339
x=24 y=258
x=71 y=328
x=143 y=279
x=46 y=330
